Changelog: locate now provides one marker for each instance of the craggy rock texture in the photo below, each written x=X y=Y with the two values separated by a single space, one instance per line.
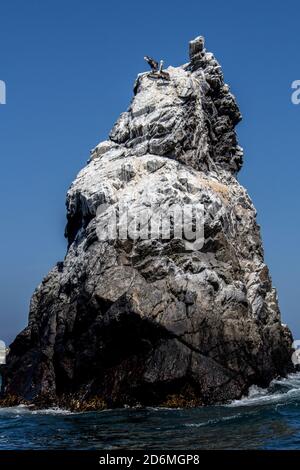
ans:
x=149 y=322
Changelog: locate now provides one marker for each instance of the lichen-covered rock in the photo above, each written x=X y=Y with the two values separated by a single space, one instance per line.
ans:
x=150 y=321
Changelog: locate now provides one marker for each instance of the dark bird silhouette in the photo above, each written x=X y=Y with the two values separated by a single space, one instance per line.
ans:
x=153 y=64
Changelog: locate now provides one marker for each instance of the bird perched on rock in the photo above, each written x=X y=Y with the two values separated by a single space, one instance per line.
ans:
x=161 y=73
x=153 y=64
x=156 y=69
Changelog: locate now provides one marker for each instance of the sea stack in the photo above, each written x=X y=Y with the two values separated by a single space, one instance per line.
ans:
x=157 y=321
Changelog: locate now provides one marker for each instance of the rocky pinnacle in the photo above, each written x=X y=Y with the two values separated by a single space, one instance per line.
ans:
x=148 y=321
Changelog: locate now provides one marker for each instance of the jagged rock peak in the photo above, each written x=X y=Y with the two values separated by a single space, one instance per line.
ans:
x=190 y=118
x=197 y=48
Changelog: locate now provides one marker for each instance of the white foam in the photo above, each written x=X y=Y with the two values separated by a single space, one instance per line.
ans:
x=214 y=421
x=278 y=391
x=52 y=411
x=18 y=411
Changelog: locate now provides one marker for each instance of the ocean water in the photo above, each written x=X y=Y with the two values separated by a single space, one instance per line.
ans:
x=266 y=419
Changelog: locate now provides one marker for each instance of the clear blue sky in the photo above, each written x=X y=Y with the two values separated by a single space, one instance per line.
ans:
x=69 y=66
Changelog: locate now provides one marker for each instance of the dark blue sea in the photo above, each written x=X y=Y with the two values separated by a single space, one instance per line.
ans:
x=266 y=419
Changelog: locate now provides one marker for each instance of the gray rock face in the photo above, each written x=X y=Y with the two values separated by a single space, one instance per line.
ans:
x=151 y=321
